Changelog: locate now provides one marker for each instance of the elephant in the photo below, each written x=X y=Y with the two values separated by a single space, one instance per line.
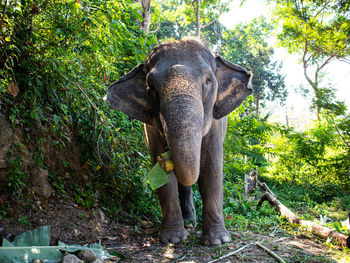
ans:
x=182 y=93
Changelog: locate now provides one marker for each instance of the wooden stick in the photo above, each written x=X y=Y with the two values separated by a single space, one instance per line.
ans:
x=322 y=231
x=278 y=258
x=230 y=254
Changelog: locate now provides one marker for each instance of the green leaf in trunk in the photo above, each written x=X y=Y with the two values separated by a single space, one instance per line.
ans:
x=157 y=177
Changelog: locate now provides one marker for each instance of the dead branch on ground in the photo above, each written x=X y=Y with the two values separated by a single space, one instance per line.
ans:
x=273 y=254
x=322 y=231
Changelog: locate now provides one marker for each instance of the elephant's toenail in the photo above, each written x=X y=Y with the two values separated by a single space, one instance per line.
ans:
x=175 y=240
x=216 y=242
x=226 y=239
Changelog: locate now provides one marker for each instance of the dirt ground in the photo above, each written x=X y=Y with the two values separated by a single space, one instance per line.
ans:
x=139 y=243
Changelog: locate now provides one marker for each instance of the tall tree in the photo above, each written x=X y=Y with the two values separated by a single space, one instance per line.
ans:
x=246 y=45
x=204 y=9
x=146 y=14
x=197 y=14
x=319 y=31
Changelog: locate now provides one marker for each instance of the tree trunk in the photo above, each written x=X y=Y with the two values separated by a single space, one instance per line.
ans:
x=146 y=15
x=257 y=102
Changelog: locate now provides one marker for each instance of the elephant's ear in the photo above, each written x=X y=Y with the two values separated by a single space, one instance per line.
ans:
x=128 y=95
x=234 y=85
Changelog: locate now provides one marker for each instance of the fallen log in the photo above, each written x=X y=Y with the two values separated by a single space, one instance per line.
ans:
x=322 y=231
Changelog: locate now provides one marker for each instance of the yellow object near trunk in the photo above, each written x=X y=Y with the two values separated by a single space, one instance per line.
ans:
x=165 y=162
x=158 y=176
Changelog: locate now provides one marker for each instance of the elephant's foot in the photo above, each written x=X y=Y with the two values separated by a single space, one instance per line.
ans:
x=172 y=235
x=215 y=236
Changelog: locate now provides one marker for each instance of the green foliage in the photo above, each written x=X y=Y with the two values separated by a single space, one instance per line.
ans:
x=319 y=32
x=246 y=142
x=325 y=27
x=308 y=171
x=62 y=56
x=16 y=180
x=315 y=157
x=24 y=220
x=241 y=211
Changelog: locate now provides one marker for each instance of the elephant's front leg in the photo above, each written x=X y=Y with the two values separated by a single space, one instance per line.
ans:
x=211 y=186
x=172 y=229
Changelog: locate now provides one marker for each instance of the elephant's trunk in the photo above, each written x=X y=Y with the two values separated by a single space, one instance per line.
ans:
x=181 y=111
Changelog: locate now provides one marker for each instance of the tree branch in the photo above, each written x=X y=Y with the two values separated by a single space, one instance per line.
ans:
x=208 y=24
x=325 y=5
x=305 y=65
x=230 y=254
x=273 y=254
x=155 y=30
x=341 y=136
x=198 y=17
x=344 y=60
x=326 y=62
x=82 y=91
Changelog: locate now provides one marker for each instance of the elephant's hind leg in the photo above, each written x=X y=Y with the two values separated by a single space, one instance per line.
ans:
x=187 y=205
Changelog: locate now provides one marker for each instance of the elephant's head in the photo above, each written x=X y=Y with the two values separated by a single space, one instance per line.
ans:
x=185 y=87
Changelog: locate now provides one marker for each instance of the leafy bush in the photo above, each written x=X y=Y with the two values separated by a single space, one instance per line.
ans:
x=313 y=157
x=60 y=58
x=246 y=143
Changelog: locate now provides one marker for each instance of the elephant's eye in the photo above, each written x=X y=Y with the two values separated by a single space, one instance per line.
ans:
x=208 y=81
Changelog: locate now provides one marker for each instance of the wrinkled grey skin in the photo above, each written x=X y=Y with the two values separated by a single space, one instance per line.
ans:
x=190 y=92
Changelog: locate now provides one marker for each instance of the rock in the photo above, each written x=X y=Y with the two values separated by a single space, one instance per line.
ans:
x=10 y=237
x=70 y=258
x=97 y=261
x=101 y=217
x=146 y=224
x=40 y=182
x=3 y=163
x=76 y=232
x=87 y=255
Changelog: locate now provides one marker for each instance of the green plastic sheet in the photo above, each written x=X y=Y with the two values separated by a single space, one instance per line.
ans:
x=35 y=244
